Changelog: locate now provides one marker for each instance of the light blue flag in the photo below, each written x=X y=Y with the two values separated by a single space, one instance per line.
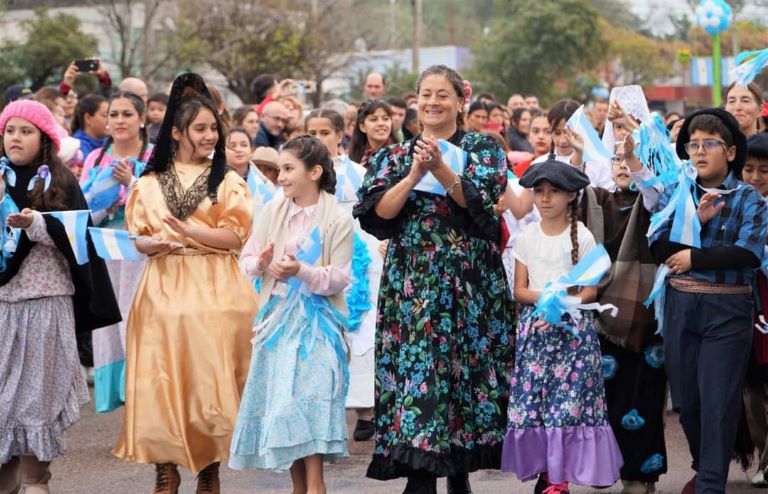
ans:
x=262 y=194
x=750 y=64
x=454 y=157
x=102 y=189
x=554 y=301
x=594 y=149
x=114 y=245
x=76 y=225
x=348 y=180
x=310 y=252
x=355 y=179
x=251 y=181
x=589 y=270
x=686 y=226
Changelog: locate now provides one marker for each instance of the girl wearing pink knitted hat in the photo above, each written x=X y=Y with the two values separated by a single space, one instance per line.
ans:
x=46 y=297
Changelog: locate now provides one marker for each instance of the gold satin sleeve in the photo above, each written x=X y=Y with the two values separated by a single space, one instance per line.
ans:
x=236 y=213
x=138 y=220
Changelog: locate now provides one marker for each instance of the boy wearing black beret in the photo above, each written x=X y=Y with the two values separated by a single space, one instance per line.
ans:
x=708 y=315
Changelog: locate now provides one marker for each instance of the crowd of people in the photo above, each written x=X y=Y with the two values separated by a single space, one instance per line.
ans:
x=427 y=260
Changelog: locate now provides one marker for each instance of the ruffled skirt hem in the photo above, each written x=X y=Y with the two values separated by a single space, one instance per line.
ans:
x=578 y=454
x=403 y=460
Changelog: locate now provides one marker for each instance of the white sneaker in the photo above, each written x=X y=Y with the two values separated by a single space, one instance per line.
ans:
x=759 y=479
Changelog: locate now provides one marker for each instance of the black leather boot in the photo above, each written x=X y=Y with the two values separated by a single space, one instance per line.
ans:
x=459 y=484
x=421 y=483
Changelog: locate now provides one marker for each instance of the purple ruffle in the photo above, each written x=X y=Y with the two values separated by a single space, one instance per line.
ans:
x=578 y=454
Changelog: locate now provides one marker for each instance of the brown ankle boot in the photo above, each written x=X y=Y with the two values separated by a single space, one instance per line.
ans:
x=10 y=481
x=167 y=479
x=35 y=475
x=208 y=480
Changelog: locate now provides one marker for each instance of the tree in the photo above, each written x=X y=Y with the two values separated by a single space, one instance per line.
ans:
x=240 y=39
x=244 y=38
x=535 y=45
x=140 y=47
x=51 y=43
x=633 y=58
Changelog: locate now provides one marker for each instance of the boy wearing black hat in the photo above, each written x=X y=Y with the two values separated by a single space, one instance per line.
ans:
x=708 y=307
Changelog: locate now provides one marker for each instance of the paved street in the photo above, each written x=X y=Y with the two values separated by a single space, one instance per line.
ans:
x=89 y=468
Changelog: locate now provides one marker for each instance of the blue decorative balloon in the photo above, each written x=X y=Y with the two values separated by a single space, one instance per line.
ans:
x=654 y=356
x=714 y=16
x=610 y=366
x=632 y=421
x=653 y=464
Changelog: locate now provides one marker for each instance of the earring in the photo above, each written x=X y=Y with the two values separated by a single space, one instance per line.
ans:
x=142 y=126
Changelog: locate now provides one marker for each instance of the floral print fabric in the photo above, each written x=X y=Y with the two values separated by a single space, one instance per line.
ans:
x=445 y=329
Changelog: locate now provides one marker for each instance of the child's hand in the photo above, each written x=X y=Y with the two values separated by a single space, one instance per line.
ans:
x=265 y=258
x=287 y=268
x=707 y=208
x=542 y=324
x=576 y=140
x=178 y=226
x=153 y=245
x=21 y=220
x=680 y=262
x=629 y=147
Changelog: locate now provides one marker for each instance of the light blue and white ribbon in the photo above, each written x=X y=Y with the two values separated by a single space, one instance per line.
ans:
x=681 y=209
x=454 y=157
x=554 y=301
x=44 y=174
x=658 y=296
x=7 y=172
x=114 y=245
x=594 y=149
x=348 y=180
x=76 y=225
x=750 y=64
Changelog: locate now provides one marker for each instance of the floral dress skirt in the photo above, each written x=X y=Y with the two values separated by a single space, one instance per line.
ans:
x=557 y=418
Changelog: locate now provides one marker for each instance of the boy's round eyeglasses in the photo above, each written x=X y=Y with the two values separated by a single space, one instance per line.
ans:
x=709 y=145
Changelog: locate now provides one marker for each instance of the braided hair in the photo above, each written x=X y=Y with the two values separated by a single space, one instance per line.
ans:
x=573 y=216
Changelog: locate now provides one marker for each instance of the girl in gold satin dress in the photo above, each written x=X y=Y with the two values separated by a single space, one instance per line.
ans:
x=189 y=330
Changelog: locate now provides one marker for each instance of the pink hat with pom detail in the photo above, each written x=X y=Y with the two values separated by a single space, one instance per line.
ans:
x=36 y=113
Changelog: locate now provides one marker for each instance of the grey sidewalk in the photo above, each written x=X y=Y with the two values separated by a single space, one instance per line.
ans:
x=89 y=468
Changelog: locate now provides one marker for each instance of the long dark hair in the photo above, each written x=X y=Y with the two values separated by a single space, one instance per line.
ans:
x=138 y=105
x=56 y=197
x=88 y=105
x=359 y=141
x=310 y=151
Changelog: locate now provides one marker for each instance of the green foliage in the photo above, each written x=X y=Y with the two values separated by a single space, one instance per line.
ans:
x=535 y=45
x=51 y=43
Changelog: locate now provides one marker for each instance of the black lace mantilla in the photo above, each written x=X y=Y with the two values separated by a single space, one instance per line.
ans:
x=182 y=203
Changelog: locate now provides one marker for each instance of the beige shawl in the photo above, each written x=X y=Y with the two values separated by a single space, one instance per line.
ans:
x=336 y=233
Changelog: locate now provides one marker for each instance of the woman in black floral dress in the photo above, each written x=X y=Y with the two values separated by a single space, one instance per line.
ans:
x=445 y=333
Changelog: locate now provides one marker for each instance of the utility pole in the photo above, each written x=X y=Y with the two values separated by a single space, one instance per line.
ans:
x=416 y=34
x=452 y=21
